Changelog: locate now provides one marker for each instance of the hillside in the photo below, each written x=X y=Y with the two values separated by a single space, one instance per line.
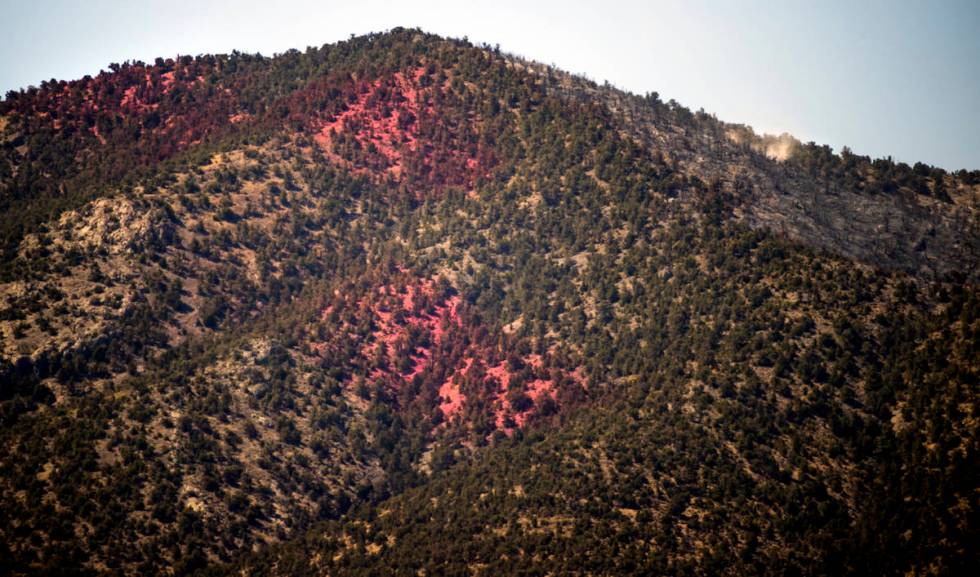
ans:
x=407 y=305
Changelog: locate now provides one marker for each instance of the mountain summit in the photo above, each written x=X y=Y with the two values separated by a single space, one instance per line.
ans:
x=405 y=305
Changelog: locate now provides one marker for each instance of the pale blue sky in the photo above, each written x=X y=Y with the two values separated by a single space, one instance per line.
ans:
x=899 y=78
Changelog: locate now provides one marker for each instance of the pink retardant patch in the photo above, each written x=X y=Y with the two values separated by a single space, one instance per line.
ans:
x=422 y=341
x=390 y=128
x=381 y=121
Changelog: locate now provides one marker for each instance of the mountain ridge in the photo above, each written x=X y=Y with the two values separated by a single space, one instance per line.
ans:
x=257 y=297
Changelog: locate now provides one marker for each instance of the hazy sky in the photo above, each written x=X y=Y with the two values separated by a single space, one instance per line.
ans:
x=899 y=77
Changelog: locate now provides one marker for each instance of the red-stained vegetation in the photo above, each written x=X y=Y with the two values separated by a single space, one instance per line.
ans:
x=411 y=127
x=154 y=110
x=417 y=344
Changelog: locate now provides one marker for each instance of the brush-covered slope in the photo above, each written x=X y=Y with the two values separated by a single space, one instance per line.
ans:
x=406 y=305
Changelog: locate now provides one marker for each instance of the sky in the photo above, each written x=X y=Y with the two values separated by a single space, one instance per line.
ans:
x=897 y=78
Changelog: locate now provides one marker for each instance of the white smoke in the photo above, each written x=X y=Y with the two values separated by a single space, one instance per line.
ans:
x=779 y=148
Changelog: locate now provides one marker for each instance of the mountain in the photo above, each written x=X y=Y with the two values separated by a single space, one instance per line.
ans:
x=406 y=305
